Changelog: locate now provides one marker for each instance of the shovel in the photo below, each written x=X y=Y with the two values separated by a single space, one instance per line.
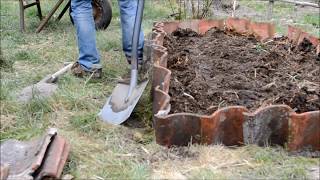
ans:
x=124 y=97
x=45 y=88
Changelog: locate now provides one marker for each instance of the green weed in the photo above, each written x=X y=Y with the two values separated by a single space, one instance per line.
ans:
x=4 y=91
x=25 y=55
x=38 y=105
x=5 y=64
x=282 y=8
x=312 y=19
x=139 y=171
x=30 y=120
x=271 y=160
x=205 y=174
x=285 y=14
x=71 y=164
x=86 y=123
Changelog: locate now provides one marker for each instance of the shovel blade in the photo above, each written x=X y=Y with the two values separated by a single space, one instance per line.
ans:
x=116 y=110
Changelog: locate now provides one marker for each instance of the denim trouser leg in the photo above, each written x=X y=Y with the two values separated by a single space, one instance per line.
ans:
x=128 y=10
x=86 y=33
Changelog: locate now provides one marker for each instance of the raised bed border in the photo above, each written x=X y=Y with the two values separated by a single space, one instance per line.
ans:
x=233 y=125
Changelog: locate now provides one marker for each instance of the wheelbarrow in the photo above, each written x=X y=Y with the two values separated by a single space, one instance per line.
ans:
x=102 y=12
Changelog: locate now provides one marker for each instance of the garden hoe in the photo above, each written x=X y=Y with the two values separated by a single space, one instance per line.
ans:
x=45 y=88
x=124 y=97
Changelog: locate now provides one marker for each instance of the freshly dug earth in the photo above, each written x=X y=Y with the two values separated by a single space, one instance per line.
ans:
x=222 y=68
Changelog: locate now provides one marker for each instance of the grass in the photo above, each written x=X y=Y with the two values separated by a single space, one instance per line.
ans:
x=312 y=19
x=99 y=150
x=285 y=14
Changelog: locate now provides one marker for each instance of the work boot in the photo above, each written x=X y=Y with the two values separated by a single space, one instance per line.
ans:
x=95 y=73
x=126 y=78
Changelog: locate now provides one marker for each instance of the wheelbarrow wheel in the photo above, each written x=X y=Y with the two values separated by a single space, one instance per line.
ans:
x=102 y=13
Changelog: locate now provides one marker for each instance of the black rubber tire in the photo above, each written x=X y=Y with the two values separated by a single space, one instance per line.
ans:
x=102 y=13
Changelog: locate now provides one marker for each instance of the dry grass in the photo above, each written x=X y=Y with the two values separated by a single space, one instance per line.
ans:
x=219 y=162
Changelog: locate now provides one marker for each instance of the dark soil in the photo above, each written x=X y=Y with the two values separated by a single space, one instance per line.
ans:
x=222 y=69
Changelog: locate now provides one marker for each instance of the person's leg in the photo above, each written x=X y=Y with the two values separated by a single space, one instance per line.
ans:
x=128 y=10
x=86 y=33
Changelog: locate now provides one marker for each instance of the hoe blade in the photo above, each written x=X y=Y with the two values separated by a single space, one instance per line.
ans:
x=117 y=110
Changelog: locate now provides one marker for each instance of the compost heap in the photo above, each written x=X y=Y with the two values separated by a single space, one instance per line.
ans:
x=223 y=68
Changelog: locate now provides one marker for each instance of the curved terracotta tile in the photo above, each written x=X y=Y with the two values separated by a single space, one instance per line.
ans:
x=293 y=34
x=161 y=78
x=159 y=55
x=262 y=31
x=296 y=35
x=267 y=125
x=158 y=36
x=55 y=159
x=171 y=26
x=205 y=25
x=177 y=129
x=161 y=102
x=190 y=24
x=158 y=25
x=314 y=40
x=305 y=131
x=158 y=40
x=223 y=126
x=239 y=25
x=37 y=158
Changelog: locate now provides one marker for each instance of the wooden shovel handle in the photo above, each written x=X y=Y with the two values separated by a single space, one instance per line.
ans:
x=61 y=71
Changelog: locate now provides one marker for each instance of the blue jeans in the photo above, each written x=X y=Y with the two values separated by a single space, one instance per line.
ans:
x=86 y=33
x=128 y=10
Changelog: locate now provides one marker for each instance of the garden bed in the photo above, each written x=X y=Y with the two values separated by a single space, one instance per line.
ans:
x=223 y=68
x=235 y=82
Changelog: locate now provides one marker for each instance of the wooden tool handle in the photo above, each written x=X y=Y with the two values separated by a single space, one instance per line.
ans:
x=61 y=71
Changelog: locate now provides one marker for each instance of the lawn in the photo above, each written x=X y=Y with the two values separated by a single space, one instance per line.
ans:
x=307 y=18
x=99 y=150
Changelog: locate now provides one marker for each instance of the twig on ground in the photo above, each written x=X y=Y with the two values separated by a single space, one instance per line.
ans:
x=234 y=92
x=292 y=78
x=145 y=150
x=98 y=177
x=267 y=42
x=211 y=107
x=220 y=104
x=188 y=95
x=126 y=155
x=269 y=86
x=194 y=168
x=89 y=78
